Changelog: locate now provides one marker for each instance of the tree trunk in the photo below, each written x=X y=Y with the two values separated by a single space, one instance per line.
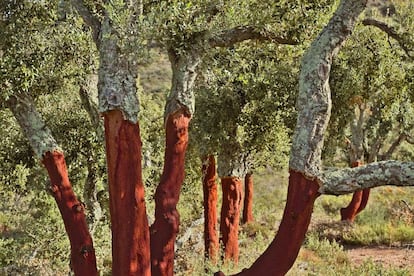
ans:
x=130 y=235
x=230 y=216
x=358 y=202
x=211 y=241
x=248 y=199
x=314 y=109
x=166 y=224
x=83 y=260
x=178 y=111
x=282 y=252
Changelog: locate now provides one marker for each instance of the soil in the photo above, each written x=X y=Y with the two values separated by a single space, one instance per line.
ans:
x=397 y=257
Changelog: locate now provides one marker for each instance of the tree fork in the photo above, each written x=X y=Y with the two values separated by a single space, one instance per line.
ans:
x=130 y=234
x=166 y=224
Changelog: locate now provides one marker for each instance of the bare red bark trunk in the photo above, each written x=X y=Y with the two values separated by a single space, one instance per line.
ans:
x=248 y=199
x=166 y=224
x=130 y=233
x=211 y=240
x=358 y=203
x=230 y=217
x=282 y=252
x=82 y=257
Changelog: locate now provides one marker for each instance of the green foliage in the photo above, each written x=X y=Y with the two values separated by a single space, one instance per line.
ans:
x=32 y=62
x=246 y=102
x=371 y=76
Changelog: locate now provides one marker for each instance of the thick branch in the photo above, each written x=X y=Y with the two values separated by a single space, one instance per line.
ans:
x=394 y=146
x=238 y=34
x=314 y=99
x=89 y=19
x=344 y=181
x=39 y=135
x=391 y=32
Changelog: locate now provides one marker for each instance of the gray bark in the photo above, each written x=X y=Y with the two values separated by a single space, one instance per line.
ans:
x=31 y=122
x=232 y=165
x=118 y=70
x=118 y=74
x=344 y=181
x=314 y=99
x=184 y=72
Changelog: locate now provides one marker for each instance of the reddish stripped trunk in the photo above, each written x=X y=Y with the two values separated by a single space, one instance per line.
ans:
x=248 y=199
x=358 y=203
x=211 y=241
x=83 y=260
x=130 y=235
x=230 y=216
x=282 y=252
x=166 y=224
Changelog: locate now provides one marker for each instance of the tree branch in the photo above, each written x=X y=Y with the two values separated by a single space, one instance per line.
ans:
x=394 y=146
x=229 y=37
x=89 y=19
x=409 y=139
x=349 y=180
x=391 y=32
x=32 y=124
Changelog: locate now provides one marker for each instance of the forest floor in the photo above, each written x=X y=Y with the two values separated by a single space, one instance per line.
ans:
x=401 y=257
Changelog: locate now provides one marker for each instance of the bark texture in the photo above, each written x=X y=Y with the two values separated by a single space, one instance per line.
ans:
x=83 y=260
x=166 y=224
x=345 y=181
x=314 y=99
x=230 y=216
x=211 y=240
x=248 y=199
x=130 y=235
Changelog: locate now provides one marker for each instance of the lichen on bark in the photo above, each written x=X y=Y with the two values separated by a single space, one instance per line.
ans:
x=30 y=120
x=118 y=74
x=344 y=181
x=181 y=97
x=314 y=99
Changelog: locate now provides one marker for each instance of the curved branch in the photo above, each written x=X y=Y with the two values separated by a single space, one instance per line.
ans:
x=409 y=139
x=391 y=32
x=401 y=138
x=238 y=34
x=91 y=20
x=349 y=180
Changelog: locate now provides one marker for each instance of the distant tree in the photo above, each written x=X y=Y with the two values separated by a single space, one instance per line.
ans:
x=238 y=117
